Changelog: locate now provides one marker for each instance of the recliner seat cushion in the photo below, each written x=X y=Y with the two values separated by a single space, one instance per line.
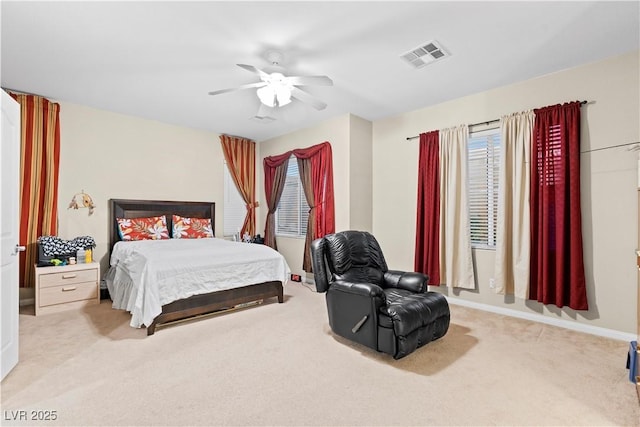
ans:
x=410 y=311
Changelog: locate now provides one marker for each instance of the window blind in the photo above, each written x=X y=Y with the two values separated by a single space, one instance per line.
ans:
x=293 y=210
x=550 y=158
x=484 y=161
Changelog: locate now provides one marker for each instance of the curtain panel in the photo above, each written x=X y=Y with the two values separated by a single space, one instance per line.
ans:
x=321 y=158
x=427 y=245
x=39 y=170
x=456 y=262
x=275 y=175
x=557 y=268
x=306 y=177
x=513 y=233
x=240 y=155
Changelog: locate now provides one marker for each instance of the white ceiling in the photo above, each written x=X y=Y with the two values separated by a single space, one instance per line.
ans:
x=159 y=60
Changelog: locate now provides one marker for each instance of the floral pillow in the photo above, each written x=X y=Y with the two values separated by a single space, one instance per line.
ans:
x=150 y=228
x=191 y=228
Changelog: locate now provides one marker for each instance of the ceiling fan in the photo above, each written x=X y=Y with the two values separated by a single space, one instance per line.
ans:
x=276 y=90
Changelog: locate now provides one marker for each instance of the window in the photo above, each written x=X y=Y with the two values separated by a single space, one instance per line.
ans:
x=235 y=209
x=550 y=158
x=484 y=162
x=293 y=210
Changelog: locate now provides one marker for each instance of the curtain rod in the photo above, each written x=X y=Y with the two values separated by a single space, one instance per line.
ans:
x=409 y=138
x=21 y=92
x=637 y=148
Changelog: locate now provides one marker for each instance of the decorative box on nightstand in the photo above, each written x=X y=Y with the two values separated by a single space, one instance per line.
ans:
x=67 y=287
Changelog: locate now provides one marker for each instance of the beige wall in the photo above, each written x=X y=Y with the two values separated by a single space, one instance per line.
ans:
x=609 y=183
x=111 y=155
x=337 y=132
x=360 y=174
x=350 y=138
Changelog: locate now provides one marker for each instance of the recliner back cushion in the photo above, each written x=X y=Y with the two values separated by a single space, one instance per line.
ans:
x=355 y=256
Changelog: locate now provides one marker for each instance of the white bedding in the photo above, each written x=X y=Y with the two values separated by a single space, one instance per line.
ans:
x=147 y=274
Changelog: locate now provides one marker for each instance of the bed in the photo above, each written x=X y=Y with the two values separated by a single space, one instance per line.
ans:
x=162 y=281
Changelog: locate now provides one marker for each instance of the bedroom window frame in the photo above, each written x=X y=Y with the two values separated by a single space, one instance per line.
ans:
x=292 y=214
x=483 y=160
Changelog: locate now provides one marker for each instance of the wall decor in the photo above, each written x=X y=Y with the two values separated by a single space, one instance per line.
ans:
x=82 y=200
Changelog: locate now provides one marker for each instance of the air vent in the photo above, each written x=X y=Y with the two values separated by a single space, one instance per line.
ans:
x=262 y=119
x=425 y=54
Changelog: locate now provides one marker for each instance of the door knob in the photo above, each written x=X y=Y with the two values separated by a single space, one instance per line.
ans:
x=18 y=249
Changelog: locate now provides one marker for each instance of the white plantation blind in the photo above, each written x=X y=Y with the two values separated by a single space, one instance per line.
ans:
x=235 y=209
x=484 y=162
x=550 y=159
x=293 y=210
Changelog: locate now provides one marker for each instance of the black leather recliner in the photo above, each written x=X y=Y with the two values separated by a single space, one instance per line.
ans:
x=387 y=310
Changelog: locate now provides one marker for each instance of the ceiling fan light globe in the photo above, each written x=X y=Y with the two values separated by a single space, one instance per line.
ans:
x=266 y=95
x=284 y=96
x=274 y=95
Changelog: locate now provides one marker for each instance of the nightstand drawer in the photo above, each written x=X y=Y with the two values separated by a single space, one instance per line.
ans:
x=68 y=278
x=68 y=293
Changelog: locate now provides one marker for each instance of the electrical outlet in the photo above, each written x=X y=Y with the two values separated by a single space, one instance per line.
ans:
x=492 y=283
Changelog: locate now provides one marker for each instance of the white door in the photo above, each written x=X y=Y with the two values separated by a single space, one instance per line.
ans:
x=9 y=232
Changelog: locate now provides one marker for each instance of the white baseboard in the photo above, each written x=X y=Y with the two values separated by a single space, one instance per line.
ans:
x=579 y=327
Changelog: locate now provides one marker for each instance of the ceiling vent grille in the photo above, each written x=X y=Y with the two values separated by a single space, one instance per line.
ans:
x=425 y=54
x=263 y=119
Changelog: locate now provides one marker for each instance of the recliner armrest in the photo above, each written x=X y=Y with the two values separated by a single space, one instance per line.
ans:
x=411 y=281
x=370 y=290
x=320 y=271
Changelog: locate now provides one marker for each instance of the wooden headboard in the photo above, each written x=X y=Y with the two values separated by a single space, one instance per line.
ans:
x=122 y=208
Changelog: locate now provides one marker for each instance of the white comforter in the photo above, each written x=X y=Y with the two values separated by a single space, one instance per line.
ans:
x=147 y=274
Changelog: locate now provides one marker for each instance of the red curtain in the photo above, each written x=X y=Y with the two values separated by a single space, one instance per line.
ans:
x=39 y=166
x=427 y=252
x=322 y=178
x=557 y=269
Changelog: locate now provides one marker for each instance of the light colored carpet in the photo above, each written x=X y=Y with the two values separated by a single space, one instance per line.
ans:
x=279 y=364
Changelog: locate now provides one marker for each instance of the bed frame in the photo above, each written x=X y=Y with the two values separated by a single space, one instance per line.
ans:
x=197 y=304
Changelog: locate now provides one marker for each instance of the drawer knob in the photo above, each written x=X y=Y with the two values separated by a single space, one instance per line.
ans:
x=68 y=288
x=68 y=276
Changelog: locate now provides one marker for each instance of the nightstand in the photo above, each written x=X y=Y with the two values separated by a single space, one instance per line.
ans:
x=67 y=287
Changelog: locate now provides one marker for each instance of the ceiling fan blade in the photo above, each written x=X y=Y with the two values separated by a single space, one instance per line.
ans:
x=262 y=74
x=247 y=86
x=308 y=98
x=310 y=80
